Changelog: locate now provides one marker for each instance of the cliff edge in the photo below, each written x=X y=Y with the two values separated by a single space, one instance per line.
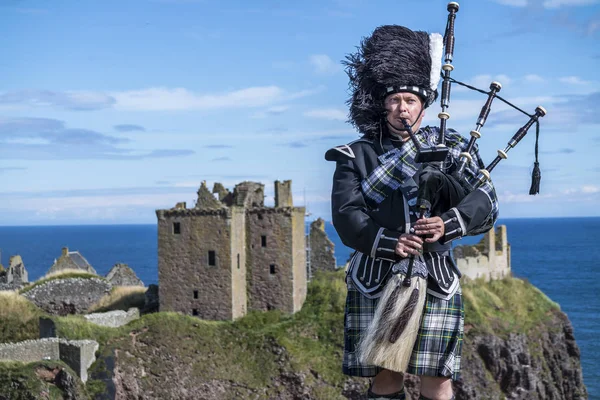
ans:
x=518 y=345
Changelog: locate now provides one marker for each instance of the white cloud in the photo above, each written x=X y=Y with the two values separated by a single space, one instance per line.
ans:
x=560 y=3
x=155 y=99
x=512 y=3
x=574 y=80
x=585 y=189
x=70 y=100
x=327 y=113
x=469 y=109
x=590 y=189
x=483 y=82
x=151 y=99
x=534 y=78
x=571 y=194
x=275 y=110
x=509 y=197
x=324 y=65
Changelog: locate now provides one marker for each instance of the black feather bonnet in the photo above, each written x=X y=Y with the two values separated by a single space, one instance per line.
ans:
x=393 y=59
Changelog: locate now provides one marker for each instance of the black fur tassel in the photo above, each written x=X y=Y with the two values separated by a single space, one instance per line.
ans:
x=404 y=316
x=536 y=175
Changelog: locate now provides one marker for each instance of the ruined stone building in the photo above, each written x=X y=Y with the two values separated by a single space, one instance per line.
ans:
x=71 y=260
x=121 y=275
x=15 y=275
x=230 y=254
x=320 y=249
x=489 y=259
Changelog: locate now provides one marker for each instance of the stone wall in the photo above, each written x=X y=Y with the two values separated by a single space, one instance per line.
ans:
x=269 y=243
x=16 y=274
x=238 y=262
x=66 y=261
x=30 y=350
x=188 y=284
x=260 y=253
x=489 y=259
x=77 y=354
x=322 y=257
x=249 y=194
x=283 y=194
x=122 y=275
x=112 y=319
x=299 y=277
x=206 y=200
x=69 y=295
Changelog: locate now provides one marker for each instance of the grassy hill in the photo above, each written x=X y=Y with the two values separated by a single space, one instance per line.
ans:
x=264 y=354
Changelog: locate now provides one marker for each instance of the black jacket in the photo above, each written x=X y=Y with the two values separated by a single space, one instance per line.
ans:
x=373 y=229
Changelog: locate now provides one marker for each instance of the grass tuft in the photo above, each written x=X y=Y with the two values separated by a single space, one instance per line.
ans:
x=19 y=318
x=121 y=298
x=504 y=306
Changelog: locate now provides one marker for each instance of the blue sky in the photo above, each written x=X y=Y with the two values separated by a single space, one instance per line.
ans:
x=110 y=110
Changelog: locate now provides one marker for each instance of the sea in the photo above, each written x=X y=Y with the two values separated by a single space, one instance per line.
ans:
x=561 y=256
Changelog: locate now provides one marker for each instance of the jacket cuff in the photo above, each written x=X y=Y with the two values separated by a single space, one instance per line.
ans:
x=384 y=245
x=454 y=226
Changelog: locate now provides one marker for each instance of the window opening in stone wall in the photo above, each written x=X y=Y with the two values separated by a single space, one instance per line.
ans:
x=238 y=261
x=212 y=258
x=195 y=311
x=195 y=294
x=176 y=228
x=263 y=241
x=272 y=269
x=260 y=216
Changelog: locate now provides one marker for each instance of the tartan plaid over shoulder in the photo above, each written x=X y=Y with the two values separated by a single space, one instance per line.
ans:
x=398 y=164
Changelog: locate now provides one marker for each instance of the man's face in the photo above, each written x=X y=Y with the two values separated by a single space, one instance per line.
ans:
x=400 y=106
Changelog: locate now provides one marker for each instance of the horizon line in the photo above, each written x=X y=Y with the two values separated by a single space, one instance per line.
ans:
x=329 y=221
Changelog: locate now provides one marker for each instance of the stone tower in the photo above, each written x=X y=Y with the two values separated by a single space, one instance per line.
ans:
x=230 y=253
x=283 y=194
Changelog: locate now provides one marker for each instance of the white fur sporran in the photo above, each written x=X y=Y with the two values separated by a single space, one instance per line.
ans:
x=389 y=339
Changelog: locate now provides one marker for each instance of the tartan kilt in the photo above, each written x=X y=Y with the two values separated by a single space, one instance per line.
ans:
x=438 y=346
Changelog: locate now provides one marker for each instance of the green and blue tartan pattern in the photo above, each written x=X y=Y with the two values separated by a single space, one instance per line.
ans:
x=437 y=350
x=399 y=164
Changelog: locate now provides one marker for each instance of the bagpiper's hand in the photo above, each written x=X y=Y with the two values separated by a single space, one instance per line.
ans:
x=408 y=244
x=432 y=227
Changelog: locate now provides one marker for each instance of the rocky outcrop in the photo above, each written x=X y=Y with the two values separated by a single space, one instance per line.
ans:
x=122 y=275
x=114 y=319
x=69 y=295
x=44 y=380
x=151 y=301
x=543 y=364
x=275 y=356
x=322 y=257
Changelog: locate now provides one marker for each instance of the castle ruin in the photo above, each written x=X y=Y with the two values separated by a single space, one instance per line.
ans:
x=15 y=276
x=489 y=259
x=230 y=254
x=71 y=260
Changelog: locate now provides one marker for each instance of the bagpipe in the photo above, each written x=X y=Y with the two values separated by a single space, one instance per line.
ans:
x=389 y=339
